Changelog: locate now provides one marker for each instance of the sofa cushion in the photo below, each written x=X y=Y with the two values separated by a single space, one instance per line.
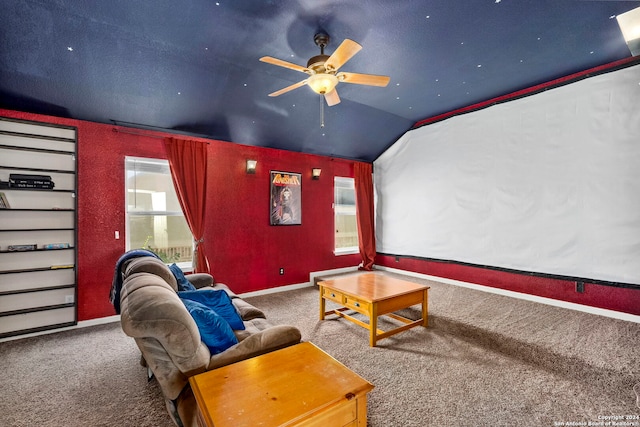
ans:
x=219 y=301
x=215 y=332
x=246 y=310
x=183 y=283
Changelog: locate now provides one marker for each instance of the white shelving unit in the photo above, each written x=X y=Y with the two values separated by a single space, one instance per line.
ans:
x=37 y=287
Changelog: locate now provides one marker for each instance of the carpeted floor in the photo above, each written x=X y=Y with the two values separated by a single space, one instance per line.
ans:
x=485 y=360
x=86 y=377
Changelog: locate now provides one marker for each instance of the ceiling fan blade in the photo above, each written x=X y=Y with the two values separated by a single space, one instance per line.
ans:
x=288 y=88
x=364 y=79
x=285 y=64
x=343 y=53
x=332 y=98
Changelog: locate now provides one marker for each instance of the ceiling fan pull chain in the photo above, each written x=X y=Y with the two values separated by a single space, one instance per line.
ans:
x=321 y=111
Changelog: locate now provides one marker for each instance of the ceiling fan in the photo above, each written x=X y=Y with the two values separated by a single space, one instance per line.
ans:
x=323 y=70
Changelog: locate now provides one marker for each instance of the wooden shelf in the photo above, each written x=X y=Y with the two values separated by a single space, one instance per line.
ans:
x=45 y=288
x=27 y=230
x=15 y=168
x=38 y=250
x=30 y=270
x=37 y=210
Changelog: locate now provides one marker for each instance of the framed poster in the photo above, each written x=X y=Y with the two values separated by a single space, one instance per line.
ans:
x=286 y=198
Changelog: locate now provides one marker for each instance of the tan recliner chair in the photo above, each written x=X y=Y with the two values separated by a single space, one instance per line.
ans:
x=153 y=314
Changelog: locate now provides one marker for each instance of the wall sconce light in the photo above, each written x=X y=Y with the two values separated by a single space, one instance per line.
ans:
x=629 y=23
x=315 y=173
x=251 y=166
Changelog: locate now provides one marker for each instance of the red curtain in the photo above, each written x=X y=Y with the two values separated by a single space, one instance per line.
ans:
x=188 y=164
x=363 y=181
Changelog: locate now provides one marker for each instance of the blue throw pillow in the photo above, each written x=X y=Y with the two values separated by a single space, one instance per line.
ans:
x=219 y=301
x=215 y=332
x=183 y=283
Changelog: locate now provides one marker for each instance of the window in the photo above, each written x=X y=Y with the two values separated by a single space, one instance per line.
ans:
x=154 y=218
x=346 y=224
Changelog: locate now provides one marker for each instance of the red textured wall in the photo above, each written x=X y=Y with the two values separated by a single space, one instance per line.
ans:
x=613 y=298
x=244 y=250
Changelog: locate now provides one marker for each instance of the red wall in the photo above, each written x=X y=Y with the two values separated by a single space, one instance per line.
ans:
x=244 y=251
x=625 y=300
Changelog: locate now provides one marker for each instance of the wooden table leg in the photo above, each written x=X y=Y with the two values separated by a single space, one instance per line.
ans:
x=425 y=308
x=322 y=305
x=373 y=324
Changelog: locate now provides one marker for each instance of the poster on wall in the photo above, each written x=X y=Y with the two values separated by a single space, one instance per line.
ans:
x=286 y=198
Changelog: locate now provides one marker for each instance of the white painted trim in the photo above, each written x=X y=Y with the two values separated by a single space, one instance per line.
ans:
x=311 y=282
x=314 y=274
x=556 y=303
x=82 y=324
x=275 y=290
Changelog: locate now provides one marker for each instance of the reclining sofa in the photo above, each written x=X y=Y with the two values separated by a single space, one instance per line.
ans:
x=155 y=316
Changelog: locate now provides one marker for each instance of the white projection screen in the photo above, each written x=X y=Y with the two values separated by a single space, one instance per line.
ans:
x=548 y=184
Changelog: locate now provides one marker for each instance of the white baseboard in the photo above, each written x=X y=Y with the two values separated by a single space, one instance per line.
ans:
x=275 y=290
x=312 y=280
x=81 y=324
x=315 y=274
x=556 y=303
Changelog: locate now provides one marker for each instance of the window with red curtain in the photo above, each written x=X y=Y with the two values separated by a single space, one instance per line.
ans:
x=188 y=164
x=363 y=180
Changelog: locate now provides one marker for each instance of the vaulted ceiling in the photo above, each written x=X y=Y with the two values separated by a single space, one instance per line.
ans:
x=193 y=66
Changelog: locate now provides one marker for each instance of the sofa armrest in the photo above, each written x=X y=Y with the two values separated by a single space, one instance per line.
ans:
x=200 y=280
x=273 y=338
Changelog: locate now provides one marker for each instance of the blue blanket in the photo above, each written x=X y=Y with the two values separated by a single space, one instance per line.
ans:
x=116 y=285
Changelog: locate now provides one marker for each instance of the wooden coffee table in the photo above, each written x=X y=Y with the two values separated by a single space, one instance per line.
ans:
x=374 y=295
x=298 y=386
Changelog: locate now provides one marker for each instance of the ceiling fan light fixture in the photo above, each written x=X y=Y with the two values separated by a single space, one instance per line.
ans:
x=322 y=83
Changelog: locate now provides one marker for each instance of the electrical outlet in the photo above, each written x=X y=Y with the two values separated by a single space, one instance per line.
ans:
x=69 y=299
x=580 y=287
x=281 y=271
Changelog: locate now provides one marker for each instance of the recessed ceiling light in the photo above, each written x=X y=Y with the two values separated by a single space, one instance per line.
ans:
x=479 y=65
x=69 y=48
x=428 y=16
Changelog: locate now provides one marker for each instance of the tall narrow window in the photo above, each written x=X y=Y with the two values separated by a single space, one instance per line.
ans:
x=346 y=225
x=154 y=218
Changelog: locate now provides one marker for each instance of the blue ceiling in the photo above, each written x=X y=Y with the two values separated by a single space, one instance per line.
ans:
x=193 y=66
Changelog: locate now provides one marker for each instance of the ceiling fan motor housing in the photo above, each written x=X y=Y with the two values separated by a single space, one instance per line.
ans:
x=317 y=63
